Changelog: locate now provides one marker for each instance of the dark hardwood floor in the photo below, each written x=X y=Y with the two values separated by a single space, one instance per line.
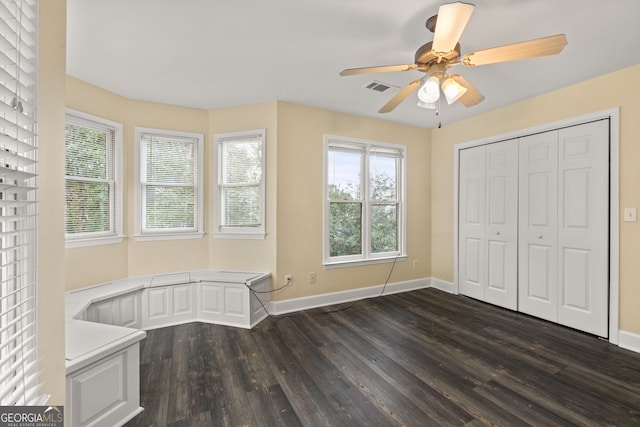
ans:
x=422 y=358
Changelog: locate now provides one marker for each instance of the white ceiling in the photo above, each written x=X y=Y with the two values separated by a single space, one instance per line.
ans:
x=213 y=54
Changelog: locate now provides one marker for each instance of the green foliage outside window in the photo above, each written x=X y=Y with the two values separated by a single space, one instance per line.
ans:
x=88 y=195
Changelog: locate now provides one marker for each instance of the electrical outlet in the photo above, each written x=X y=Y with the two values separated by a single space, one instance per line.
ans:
x=288 y=279
x=415 y=264
x=312 y=277
x=630 y=214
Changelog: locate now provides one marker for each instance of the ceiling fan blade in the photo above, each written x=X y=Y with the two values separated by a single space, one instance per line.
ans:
x=380 y=69
x=400 y=96
x=450 y=23
x=472 y=96
x=512 y=52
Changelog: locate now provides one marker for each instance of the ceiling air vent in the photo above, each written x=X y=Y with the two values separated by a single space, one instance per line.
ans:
x=380 y=87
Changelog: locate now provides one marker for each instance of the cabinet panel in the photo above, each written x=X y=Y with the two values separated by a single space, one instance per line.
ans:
x=211 y=299
x=105 y=312
x=129 y=306
x=234 y=302
x=158 y=303
x=182 y=300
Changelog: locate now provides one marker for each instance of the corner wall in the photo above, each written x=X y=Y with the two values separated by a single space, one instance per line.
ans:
x=51 y=273
x=301 y=133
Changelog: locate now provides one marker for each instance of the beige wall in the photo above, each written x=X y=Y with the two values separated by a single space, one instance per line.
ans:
x=612 y=90
x=247 y=255
x=51 y=283
x=97 y=264
x=293 y=242
x=301 y=133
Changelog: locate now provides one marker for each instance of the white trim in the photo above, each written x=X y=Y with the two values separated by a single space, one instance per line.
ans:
x=83 y=243
x=629 y=341
x=196 y=233
x=167 y=236
x=315 y=301
x=118 y=167
x=613 y=114
x=359 y=262
x=227 y=232
x=443 y=285
x=366 y=148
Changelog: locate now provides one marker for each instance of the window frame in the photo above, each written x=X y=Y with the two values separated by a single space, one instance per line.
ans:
x=367 y=148
x=196 y=232
x=234 y=232
x=115 y=235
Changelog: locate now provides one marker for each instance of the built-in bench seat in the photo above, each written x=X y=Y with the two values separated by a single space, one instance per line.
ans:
x=105 y=324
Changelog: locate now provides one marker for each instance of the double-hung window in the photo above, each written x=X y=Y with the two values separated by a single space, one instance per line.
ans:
x=240 y=185
x=364 y=206
x=93 y=180
x=18 y=204
x=169 y=196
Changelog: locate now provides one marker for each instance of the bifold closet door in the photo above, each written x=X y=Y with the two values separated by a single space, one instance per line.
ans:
x=583 y=227
x=471 y=222
x=538 y=236
x=488 y=223
x=563 y=238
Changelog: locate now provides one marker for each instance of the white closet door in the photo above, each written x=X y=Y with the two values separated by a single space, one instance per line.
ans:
x=537 y=241
x=501 y=230
x=471 y=211
x=583 y=223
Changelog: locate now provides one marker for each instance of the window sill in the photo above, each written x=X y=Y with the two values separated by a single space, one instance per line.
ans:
x=96 y=241
x=167 y=236
x=361 y=262
x=240 y=236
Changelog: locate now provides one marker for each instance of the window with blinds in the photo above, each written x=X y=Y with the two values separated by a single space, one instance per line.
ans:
x=364 y=200
x=18 y=204
x=93 y=193
x=170 y=195
x=240 y=184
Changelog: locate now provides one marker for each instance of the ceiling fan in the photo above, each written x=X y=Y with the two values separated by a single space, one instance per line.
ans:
x=436 y=57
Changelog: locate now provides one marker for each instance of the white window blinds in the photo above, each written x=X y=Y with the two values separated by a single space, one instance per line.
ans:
x=90 y=206
x=18 y=213
x=240 y=184
x=169 y=183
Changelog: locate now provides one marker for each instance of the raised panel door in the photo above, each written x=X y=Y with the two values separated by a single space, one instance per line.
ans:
x=501 y=227
x=471 y=221
x=537 y=237
x=583 y=175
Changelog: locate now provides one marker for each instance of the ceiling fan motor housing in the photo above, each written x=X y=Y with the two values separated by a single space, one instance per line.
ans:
x=425 y=58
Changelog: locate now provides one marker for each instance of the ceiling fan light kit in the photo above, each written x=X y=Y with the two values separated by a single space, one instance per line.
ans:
x=434 y=58
x=430 y=91
x=452 y=90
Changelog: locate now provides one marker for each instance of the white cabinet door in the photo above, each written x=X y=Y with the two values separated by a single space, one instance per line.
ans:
x=471 y=211
x=538 y=199
x=501 y=224
x=583 y=223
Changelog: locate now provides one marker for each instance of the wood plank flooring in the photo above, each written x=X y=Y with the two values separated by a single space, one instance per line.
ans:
x=422 y=358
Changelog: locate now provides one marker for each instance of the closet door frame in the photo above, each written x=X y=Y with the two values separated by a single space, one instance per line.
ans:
x=613 y=115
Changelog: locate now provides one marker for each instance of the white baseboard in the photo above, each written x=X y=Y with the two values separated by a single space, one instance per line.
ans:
x=629 y=341
x=443 y=285
x=315 y=301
